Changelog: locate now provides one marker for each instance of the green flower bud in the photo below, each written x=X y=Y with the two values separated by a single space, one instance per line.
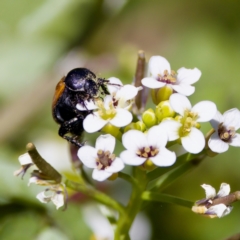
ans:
x=161 y=94
x=148 y=165
x=149 y=118
x=140 y=126
x=114 y=131
x=164 y=110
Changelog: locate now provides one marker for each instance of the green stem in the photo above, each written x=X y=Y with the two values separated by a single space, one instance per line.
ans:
x=127 y=178
x=99 y=196
x=133 y=207
x=160 y=197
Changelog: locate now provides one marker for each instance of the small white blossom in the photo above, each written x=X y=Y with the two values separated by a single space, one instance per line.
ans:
x=55 y=193
x=162 y=75
x=186 y=128
x=101 y=158
x=205 y=206
x=150 y=146
x=123 y=96
x=225 y=134
x=105 y=114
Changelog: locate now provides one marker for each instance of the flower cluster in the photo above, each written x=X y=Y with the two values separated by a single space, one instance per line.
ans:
x=147 y=136
x=174 y=119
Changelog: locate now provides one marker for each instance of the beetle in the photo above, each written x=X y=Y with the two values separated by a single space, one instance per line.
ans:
x=79 y=85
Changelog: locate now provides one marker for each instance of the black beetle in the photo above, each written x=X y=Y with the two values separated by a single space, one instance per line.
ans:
x=79 y=85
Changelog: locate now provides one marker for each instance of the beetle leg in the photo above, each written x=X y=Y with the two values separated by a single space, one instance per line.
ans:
x=66 y=128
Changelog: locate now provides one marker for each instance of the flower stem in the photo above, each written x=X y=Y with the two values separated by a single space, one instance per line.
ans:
x=133 y=207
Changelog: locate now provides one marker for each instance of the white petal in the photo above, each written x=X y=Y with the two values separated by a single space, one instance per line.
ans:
x=194 y=142
x=127 y=92
x=206 y=110
x=58 y=199
x=232 y=118
x=235 y=141
x=224 y=190
x=152 y=83
x=122 y=118
x=88 y=156
x=216 y=144
x=179 y=103
x=32 y=180
x=43 y=198
x=116 y=166
x=113 y=88
x=165 y=158
x=25 y=159
x=157 y=136
x=209 y=191
x=100 y=175
x=157 y=65
x=130 y=158
x=93 y=123
x=134 y=140
x=88 y=105
x=107 y=101
x=188 y=76
x=220 y=210
x=217 y=119
x=172 y=129
x=105 y=143
x=184 y=89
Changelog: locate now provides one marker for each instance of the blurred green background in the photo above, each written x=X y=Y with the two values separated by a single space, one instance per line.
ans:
x=42 y=40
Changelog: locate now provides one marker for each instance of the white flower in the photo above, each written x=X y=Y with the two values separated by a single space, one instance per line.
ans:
x=161 y=75
x=225 y=126
x=114 y=108
x=151 y=146
x=186 y=129
x=106 y=113
x=123 y=96
x=206 y=206
x=101 y=158
x=56 y=194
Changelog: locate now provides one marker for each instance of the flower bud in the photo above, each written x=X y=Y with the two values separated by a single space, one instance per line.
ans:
x=109 y=128
x=149 y=118
x=161 y=94
x=135 y=126
x=164 y=110
x=148 y=165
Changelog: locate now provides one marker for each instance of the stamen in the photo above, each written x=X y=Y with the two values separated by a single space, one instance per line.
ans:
x=105 y=159
x=167 y=77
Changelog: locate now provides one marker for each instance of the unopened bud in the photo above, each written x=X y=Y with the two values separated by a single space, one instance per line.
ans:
x=148 y=165
x=149 y=118
x=161 y=94
x=164 y=110
x=109 y=128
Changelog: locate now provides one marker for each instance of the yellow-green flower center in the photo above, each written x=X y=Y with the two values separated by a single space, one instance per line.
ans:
x=188 y=121
x=105 y=159
x=167 y=77
x=226 y=134
x=106 y=113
